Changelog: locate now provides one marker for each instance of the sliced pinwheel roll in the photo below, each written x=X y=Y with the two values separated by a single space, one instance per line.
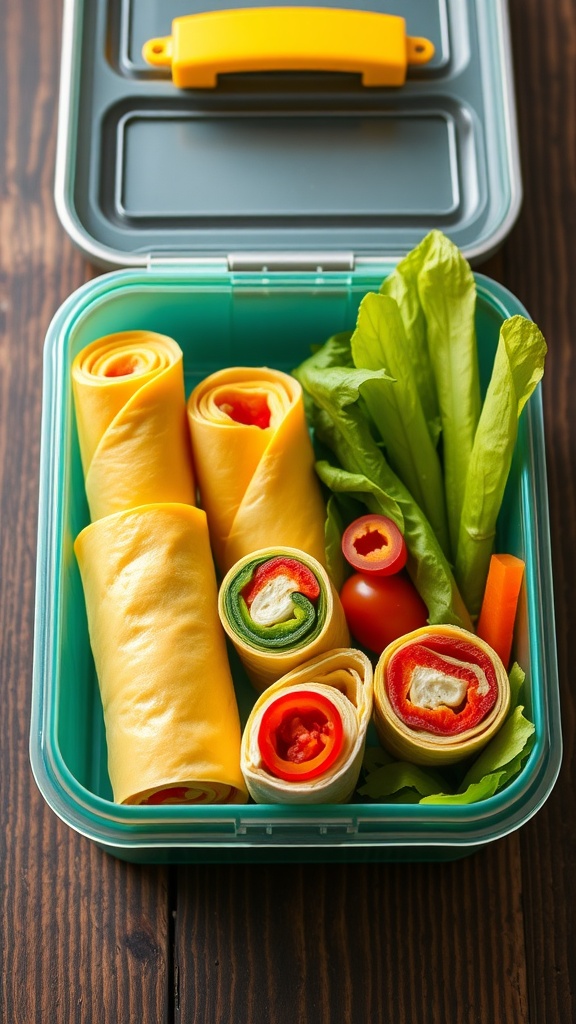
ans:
x=304 y=739
x=440 y=693
x=255 y=464
x=170 y=712
x=131 y=415
x=279 y=608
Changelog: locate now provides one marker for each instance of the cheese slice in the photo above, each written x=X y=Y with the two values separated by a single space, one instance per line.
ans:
x=131 y=417
x=264 y=664
x=160 y=654
x=344 y=676
x=422 y=745
x=257 y=483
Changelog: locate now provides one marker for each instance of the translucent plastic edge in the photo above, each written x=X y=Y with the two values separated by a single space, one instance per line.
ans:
x=110 y=825
x=502 y=45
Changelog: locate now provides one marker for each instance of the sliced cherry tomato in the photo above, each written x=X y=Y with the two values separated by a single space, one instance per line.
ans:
x=374 y=545
x=300 y=735
x=379 y=609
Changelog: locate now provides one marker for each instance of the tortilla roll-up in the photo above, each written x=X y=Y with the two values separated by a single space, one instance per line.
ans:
x=304 y=739
x=279 y=608
x=255 y=464
x=440 y=693
x=131 y=415
x=170 y=712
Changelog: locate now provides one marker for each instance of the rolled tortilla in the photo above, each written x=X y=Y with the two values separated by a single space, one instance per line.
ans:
x=255 y=464
x=172 y=723
x=291 y=627
x=440 y=693
x=131 y=415
x=343 y=677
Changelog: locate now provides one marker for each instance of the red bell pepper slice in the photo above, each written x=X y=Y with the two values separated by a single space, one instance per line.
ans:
x=454 y=658
x=374 y=545
x=304 y=579
x=250 y=410
x=172 y=794
x=122 y=366
x=300 y=736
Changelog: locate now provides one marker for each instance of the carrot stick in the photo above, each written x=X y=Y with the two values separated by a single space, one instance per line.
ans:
x=499 y=604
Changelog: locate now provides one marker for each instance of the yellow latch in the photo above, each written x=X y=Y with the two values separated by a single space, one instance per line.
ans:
x=203 y=46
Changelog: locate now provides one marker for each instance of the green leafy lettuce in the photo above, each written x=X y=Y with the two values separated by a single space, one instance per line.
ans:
x=397 y=403
x=518 y=367
x=341 y=424
x=396 y=410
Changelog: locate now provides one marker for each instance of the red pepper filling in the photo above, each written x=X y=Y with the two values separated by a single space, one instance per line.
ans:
x=250 y=410
x=122 y=367
x=304 y=579
x=300 y=736
x=434 y=654
x=163 y=795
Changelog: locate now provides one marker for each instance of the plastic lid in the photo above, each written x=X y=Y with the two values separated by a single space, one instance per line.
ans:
x=290 y=162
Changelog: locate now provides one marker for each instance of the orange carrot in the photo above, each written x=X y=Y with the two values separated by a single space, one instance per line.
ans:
x=498 y=612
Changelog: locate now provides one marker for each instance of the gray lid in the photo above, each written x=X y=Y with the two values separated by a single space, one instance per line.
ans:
x=291 y=163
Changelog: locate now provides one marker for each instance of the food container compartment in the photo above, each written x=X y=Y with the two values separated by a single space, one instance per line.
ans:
x=220 y=319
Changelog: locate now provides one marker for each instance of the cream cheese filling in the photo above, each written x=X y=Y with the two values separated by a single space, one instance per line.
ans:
x=274 y=602
x=431 y=688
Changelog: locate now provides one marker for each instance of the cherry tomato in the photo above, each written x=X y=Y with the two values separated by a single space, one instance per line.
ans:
x=379 y=609
x=374 y=545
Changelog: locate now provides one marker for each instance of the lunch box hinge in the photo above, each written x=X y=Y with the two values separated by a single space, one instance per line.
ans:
x=264 y=262
x=197 y=263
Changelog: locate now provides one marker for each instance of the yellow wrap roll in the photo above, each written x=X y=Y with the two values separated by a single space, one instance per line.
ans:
x=440 y=693
x=265 y=664
x=160 y=653
x=344 y=676
x=131 y=414
x=257 y=483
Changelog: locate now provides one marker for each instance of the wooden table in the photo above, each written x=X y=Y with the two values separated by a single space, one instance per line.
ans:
x=87 y=938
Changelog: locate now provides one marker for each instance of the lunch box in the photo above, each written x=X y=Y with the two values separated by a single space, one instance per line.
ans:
x=249 y=219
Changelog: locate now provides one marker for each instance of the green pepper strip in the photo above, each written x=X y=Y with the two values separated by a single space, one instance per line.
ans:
x=302 y=629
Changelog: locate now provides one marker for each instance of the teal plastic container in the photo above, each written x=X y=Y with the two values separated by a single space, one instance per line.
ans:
x=220 y=318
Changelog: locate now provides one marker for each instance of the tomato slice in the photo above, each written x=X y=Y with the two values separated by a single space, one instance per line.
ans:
x=300 y=735
x=374 y=545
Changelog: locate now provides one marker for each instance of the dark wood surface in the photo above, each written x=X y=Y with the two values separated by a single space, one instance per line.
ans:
x=87 y=938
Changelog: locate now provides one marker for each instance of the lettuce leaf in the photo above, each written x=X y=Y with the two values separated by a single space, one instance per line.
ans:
x=340 y=423
x=397 y=776
x=402 y=286
x=518 y=367
x=396 y=410
x=333 y=529
x=447 y=294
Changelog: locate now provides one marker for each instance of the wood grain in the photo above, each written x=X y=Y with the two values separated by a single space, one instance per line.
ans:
x=342 y=943
x=539 y=267
x=85 y=938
